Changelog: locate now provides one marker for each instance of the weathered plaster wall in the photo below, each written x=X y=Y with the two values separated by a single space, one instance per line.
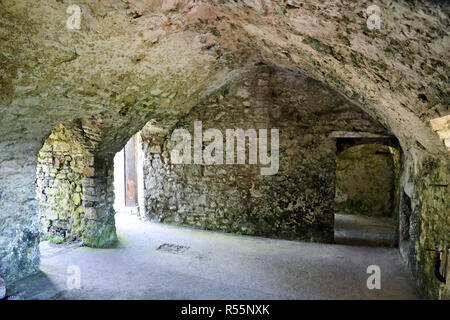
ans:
x=297 y=202
x=365 y=181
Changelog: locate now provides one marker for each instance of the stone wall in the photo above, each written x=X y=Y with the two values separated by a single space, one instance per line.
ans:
x=19 y=225
x=365 y=181
x=63 y=162
x=98 y=199
x=74 y=186
x=424 y=184
x=295 y=203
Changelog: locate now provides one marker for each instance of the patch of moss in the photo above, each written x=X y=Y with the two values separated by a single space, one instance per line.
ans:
x=349 y=17
x=56 y=239
x=344 y=39
x=280 y=10
x=318 y=46
x=104 y=238
x=215 y=32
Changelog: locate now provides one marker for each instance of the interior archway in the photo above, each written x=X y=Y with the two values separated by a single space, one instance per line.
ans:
x=295 y=202
x=367 y=195
x=132 y=63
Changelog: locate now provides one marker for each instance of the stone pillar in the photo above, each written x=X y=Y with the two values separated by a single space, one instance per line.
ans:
x=62 y=163
x=19 y=227
x=75 y=188
x=2 y=288
x=98 y=201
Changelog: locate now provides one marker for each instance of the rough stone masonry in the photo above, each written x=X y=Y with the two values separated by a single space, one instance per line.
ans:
x=295 y=203
x=135 y=61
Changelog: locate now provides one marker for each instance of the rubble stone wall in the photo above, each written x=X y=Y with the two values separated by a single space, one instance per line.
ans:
x=74 y=186
x=296 y=202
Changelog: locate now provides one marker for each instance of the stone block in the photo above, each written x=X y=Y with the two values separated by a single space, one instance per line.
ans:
x=76 y=198
x=90 y=213
x=88 y=171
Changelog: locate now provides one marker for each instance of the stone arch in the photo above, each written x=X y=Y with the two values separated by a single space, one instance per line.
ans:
x=73 y=184
x=367 y=180
x=352 y=139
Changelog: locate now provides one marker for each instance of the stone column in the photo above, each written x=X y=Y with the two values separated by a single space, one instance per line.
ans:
x=19 y=227
x=98 y=201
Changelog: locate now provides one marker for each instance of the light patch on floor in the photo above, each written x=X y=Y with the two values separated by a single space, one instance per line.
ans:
x=351 y=229
x=216 y=266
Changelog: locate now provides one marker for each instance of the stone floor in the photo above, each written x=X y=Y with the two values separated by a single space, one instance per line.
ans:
x=194 y=264
x=361 y=230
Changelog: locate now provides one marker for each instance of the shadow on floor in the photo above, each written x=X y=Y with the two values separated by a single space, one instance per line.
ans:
x=38 y=286
x=156 y=261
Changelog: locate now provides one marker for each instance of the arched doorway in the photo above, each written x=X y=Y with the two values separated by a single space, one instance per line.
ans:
x=367 y=197
x=128 y=177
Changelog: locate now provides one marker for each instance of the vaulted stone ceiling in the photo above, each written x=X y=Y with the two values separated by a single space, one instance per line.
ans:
x=125 y=50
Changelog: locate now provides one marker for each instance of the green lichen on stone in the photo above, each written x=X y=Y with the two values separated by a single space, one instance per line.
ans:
x=100 y=236
x=431 y=225
x=344 y=39
x=280 y=10
x=76 y=198
x=60 y=184
x=214 y=31
x=56 y=239
x=349 y=17
x=318 y=46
